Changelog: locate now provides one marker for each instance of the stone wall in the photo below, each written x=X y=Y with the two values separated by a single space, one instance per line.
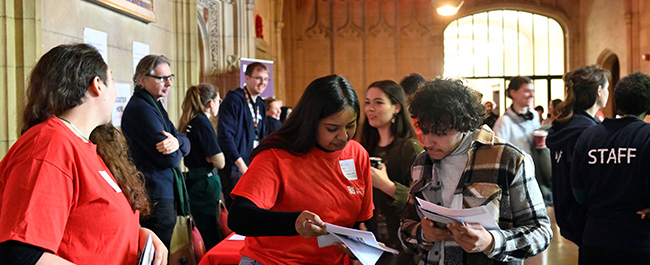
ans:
x=32 y=27
x=368 y=40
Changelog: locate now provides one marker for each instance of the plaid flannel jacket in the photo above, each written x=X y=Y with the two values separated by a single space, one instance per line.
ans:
x=496 y=173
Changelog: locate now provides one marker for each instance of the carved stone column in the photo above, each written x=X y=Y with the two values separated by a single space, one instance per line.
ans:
x=632 y=24
x=185 y=61
x=247 y=29
x=20 y=39
x=277 y=56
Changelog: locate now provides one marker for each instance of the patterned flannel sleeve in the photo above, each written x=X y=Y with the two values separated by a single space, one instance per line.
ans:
x=532 y=232
x=410 y=230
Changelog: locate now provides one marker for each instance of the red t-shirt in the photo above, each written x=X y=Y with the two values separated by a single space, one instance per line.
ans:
x=55 y=194
x=279 y=181
x=418 y=132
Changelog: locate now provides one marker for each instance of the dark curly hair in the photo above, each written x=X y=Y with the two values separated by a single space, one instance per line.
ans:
x=446 y=104
x=632 y=94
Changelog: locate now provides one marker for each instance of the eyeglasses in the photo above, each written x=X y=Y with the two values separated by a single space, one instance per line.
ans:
x=161 y=79
x=259 y=78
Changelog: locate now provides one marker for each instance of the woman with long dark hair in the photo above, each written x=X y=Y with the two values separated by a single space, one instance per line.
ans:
x=60 y=202
x=587 y=90
x=388 y=133
x=305 y=173
x=203 y=184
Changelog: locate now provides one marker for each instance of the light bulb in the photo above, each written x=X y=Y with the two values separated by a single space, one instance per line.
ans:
x=447 y=10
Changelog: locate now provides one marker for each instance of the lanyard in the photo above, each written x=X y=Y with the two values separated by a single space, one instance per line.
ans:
x=256 y=118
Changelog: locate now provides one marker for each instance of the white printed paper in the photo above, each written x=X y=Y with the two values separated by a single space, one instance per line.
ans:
x=97 y=39
x=140 y=50
x=237 y=237
x=146 y=257
x=478 y=215
x=123 y=96
x=362 y=244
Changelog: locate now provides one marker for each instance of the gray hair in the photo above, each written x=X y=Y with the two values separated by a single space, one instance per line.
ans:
x=147 y=64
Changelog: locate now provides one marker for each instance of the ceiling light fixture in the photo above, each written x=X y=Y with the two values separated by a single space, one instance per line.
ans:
x=447 y=8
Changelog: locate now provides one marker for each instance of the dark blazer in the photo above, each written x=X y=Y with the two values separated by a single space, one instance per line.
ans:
x=142 y=126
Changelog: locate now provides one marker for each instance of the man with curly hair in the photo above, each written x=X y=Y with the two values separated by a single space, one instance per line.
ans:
x=466 y=166
x=610 y=176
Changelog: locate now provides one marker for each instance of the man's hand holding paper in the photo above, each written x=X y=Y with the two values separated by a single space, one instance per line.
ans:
x=471 y=237
x=479 y=215
x=361 y=244
x=432 y=233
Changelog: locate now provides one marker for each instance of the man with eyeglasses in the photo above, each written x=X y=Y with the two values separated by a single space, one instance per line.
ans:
x=155 y=145
x=240 y=126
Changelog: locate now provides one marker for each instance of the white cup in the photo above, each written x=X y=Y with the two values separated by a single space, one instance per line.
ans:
x=540 y=138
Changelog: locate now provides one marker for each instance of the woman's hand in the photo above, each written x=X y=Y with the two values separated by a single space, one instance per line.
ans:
x=241 y=165
x=432 y=233
x=169 y=145
x=381 y=181
x=161 y=253
x=471 y=237
x=308 y=225
x=643 y=213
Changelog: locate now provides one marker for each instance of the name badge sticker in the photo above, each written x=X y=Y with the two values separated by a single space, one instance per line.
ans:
x=348 y=169
x=110 y=181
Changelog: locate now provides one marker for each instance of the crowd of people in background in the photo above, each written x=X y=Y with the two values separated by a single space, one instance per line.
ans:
x=77 y=186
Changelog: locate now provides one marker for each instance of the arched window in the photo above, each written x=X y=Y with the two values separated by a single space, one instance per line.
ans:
x=489 y=48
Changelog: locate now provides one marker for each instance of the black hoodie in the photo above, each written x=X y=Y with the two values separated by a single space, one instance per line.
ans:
x=561 y=140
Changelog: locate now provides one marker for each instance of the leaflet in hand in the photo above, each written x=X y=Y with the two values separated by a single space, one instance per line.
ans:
x=479 y=215
x=146 y=257
x=362 y=244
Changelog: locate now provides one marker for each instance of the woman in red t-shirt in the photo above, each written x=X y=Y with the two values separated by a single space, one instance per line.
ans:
x=59 y=201
x=304 y=174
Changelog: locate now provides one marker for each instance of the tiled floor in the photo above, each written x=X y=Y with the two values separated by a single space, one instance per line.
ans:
x=560 y=252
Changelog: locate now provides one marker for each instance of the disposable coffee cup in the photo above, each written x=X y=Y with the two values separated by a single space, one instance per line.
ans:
x=540 y=138
x=375 y=162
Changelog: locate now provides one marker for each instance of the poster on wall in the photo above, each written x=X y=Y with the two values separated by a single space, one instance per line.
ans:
x=123 y=96
x=140 y=50
x=269 y=91
x=97 y=39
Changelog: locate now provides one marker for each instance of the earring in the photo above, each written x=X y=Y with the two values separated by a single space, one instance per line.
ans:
x=393 y=119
